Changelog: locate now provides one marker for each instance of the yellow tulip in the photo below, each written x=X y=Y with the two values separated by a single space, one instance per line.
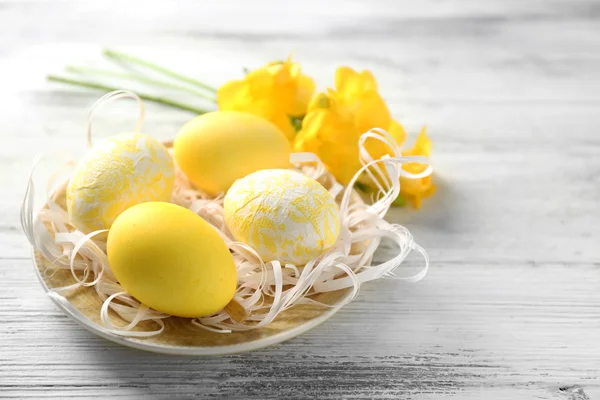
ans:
x=329 y=130
x=276 y=92
x=336 y=119
x=414 y=190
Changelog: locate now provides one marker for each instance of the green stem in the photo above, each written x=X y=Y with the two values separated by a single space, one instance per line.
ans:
x=134 y=77
x=155 y=99
x=400 y=201
x=117 y=55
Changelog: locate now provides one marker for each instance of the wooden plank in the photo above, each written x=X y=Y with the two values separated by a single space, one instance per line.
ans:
x=528 y=330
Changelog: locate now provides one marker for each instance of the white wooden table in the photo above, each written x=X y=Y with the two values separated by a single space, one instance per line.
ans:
x=510 y=91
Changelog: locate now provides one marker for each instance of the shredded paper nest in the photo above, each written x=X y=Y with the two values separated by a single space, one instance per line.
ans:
x=264 y=289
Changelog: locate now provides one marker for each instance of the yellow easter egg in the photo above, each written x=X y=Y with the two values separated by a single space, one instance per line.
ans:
x=283 y=215
x=125 y=170
x=215 y=149
x=172 y=260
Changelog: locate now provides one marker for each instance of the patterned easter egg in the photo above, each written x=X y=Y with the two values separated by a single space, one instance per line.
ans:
x=125 y=170
x=283 y=215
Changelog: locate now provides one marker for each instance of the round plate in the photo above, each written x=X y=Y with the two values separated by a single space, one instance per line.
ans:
x=180 y=335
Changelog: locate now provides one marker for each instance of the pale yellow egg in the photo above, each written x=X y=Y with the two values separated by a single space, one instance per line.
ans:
x=283 y=215
x=172 y=260
x=125 y=170
x=215 y=149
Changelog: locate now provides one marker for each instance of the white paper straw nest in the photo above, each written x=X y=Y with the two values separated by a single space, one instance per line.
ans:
x=265 y=289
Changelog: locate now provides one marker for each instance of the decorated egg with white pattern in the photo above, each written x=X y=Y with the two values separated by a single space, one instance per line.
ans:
x=126 y=170
x=283 y=215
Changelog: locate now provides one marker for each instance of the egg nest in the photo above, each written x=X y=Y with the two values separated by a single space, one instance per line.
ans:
x=265 y=289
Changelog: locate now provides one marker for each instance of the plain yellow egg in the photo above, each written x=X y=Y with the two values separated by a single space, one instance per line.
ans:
x=283 y=215
x=170 y=259
x=215 y=149
x=125 y=170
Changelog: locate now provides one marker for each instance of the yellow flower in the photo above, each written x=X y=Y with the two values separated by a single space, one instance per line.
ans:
x=414 y=190
x=275 y=92
x=336 y=119
x=329 y=130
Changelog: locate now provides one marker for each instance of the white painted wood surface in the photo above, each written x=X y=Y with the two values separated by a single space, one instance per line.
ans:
x=510 y=91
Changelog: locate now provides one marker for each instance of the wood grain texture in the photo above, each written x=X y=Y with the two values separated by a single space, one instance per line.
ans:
x=510 y=93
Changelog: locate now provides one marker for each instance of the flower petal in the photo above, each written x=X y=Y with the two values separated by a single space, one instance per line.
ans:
x=231 y=94
x=331 y=134
x=416 y=189
x=344 y=78
x=284 y=124
x=397 y=131
x=368 y=81
x=422 y=146
x=370 y=112
x=305 y=87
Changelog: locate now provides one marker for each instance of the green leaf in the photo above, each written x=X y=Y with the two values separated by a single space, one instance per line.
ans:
x=399 y=202
x=120 y=56
x=362 y=187
x=297 y=123
x=105 y=88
